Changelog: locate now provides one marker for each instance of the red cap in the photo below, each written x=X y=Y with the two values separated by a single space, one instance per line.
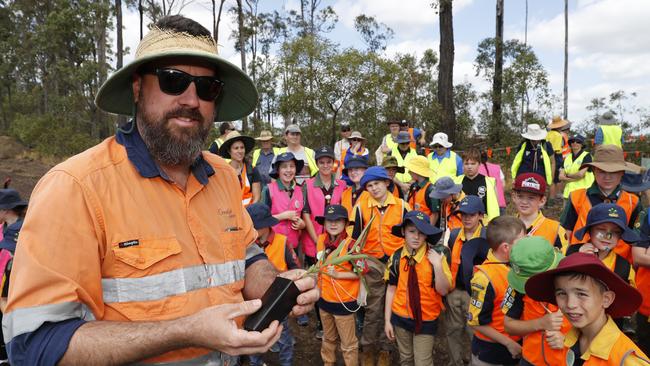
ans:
x=530 y=182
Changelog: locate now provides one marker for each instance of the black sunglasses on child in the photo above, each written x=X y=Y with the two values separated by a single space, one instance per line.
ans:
x=175 y=82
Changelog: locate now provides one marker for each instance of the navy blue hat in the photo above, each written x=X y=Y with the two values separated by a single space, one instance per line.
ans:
x=11 y=236
x=285 y=156
x=325 y=151
x=10 y=199
x=471 y=205
x=403 y=137
x=333 y=213
x=355 y=162
x=261 y=216
x=579 y=138
x=608 y=212
x=445 y=187
x=374 y=173
x=421 y=222
x=635 y=183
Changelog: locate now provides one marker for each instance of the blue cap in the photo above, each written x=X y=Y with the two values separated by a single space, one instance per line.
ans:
x=325 y=151
x=11 y=236
x=10 y=199
x=579 y=138
x=421 y=222
x=285 y=156
x=374 y=173
x=261 y=216
x=403 y=137
x=333 y=213
x=471 y=205
x=355 y=162
x=635 y=183
x=608 y=212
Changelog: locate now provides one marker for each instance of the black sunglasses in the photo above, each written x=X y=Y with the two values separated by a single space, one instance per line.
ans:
x=175 y=82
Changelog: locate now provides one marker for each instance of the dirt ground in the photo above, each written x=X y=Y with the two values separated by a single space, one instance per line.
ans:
x=22 y=166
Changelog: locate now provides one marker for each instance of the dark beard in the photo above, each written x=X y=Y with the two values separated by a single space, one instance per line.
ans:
x=167 y=148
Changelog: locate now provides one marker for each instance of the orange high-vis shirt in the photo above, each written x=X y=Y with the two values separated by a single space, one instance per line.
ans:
x=103 y=242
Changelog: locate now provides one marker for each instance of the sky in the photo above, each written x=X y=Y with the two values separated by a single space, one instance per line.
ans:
x=609 y=46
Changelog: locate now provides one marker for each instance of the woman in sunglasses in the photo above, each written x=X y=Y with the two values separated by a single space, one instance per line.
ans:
x=357 y=149
x=235 y=148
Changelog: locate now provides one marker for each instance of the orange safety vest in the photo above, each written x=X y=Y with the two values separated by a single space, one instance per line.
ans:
x=417 y=199
x=276 y=252
x=333 y=290
x=246 y=189
x=582 y=205
x=566 y=149
x=453 y=219
x=430 y=300
x=456 y=248
x=396 y=192
x=380 y=240
x=346 y=200
x=535 y=350
x=547 y=229
x=622 y=348
x=413 y=144
x=497 y=274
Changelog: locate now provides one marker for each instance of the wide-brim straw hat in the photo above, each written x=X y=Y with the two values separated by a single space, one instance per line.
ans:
x=265 y=136
x=231 y=138
x=609 y=158
x=237 y=99
x=557 y=123
x=534 y=133
x=356 y=135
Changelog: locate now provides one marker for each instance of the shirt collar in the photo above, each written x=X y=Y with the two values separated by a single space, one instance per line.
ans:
x=390 y=200
x=491 y=258
x=419 y=254
x=283 y=187
x=476 y=234
x=319 y=183
x=595 y=191
x=601 y=346
x=445 y=155
x=139 y=156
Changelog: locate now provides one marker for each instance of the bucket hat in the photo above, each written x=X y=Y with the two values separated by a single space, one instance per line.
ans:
x=530 y=182
x=419 y=165
x=403 y=138
x=557 y=122
x=231 y=138
x=470 y=205
x=626 y=301
x=393 y=122
x=534 y=133
x=285 y=156
x=529 y=256
x=445 y=187
x=265 y=135
x=10 y=199
x=356 y=135
x=608 y=212
x=237 y=99
x=332 y=213
x=355 y=162
x=421 y=222
x=636 y=183
x=609 y=158
x=324 y=152
x=374 y=173
x=607 y=118
x=391 y=162
x=441 y=138
x=261 y=216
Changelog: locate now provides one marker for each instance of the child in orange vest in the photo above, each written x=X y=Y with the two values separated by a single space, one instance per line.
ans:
x=417 y=279
x=282 y=256
x=541 y=324
x=529 y=196
x=491 y=345
x=419 y=194
x=339 y=287
x=589 y=294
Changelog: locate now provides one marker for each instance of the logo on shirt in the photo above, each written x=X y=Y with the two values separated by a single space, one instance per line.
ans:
x=129 y=243
x=482 y=190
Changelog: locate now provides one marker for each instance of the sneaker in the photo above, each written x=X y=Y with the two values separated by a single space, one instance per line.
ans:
x=319 y=335
x=303 y=320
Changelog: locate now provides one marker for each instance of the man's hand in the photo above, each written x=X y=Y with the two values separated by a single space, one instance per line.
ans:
x=514 y=348
x=555 y=339
x=215 y=328
x=309 y=293
x=551 y=321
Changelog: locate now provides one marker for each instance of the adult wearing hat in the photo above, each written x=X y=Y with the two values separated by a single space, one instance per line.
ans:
x=416 y=135
x=151 y=239
x=534 y=154
x=403 y=152
x=293 y=138
x=419 y=193
x=559 y=141
x=609 y=131
x=263 y=156
x=388 y=142
x=442 y=161
x=235 y=148
x=608 y=167
x=392 y=168
x=357 y=149
x=572 y=172
x=344 y=143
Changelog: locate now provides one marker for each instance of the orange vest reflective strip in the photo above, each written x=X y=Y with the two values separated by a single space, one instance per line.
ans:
x=275 y=251
x=418 y=201
x=247 y=191
x=430 y=301
x=335 y=290
x=380 y=240
x=535 y=350
x=497 y=274
x=582 y=205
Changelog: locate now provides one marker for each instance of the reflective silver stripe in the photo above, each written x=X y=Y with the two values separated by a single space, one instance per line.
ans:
x=176 y=282
x=252 y=250
x=211 y=359
x=26 y=320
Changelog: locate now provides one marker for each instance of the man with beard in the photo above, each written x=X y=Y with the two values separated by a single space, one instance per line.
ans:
x=138 y=249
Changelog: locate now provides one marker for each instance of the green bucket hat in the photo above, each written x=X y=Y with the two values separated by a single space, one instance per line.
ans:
x=529 y=256
x=237 y=99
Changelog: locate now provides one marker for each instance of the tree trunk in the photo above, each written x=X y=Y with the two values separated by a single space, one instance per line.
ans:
x=101 y=130
x=120 y=47
x=566 y=59
x=497 y=83
x=141 y=13
x=216 y=28
x=242 y=47
x=446 y=69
